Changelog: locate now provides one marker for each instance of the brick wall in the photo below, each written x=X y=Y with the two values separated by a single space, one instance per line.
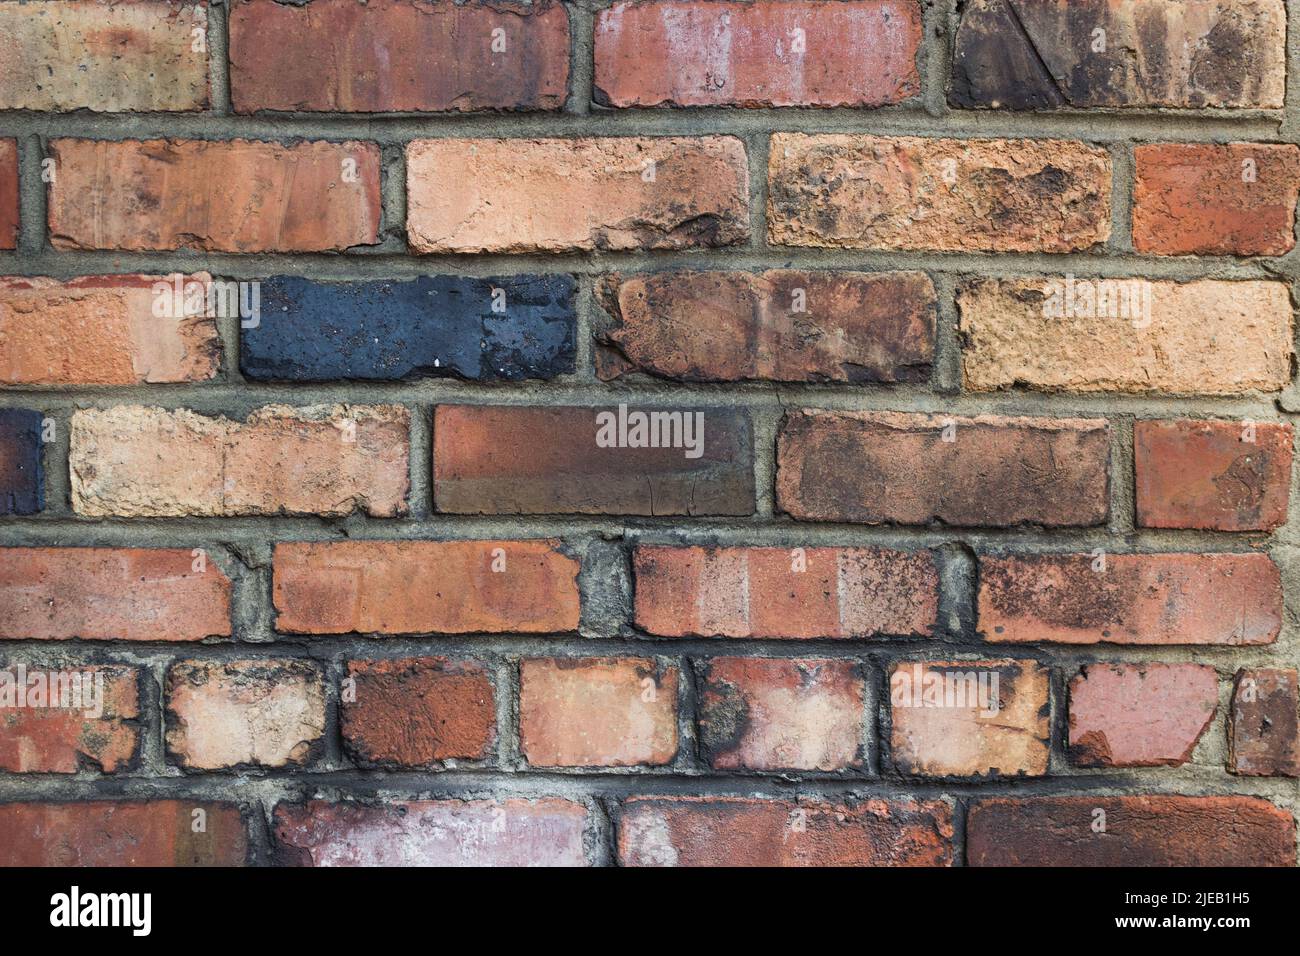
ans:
x=970 y=333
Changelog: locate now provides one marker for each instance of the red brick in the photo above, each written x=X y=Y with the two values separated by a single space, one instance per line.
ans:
x=735 y=831
x=8 y=194
x=897 y=468
x=543 y=832
x=216 y=196
x=1136 y=599
x=785 y=592
x=341 y=587
x=789 y=53
x=397 y=56
x=770 y=714
x=1140 y=715
x=127 y=594
x=597 y=712
x=1219 y=476
x=1263 y=731
x=122 y=833
x=1139 y=831
x=55 y=718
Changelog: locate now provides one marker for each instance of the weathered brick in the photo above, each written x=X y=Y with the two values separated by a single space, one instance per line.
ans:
x=1210 y=199
x=8 y=194
x=792 y=53
x=56 y=718
x=397 y=56
x=217 y=196
x=1130 y=598
x=508 y=459
x=508 y=328
x=415 y=712
x=1140 y=715
x=894 y=467
x=263 y=713
x=556 y=195
x=22 y=462
x=969 y=718
x=126 y=594
x=736 y=831
x=1139 y=831
x=782 y=714
x=782 y=326
x=543 y=832
x=785 y=592
x=1264 y=724
x=341 y=587
x=1023 y=54
x=597 y=712
x=106 y=330
x=1205 y=337
x=133 y=461
x=122 y=833
x=1221 y=476
x=945 y=195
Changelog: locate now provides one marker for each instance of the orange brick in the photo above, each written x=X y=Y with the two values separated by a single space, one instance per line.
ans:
x=54 y=718
x=8 y=194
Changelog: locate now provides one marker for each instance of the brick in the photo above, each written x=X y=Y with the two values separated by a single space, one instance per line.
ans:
x=780 y=326
x=416 y=712
x=1134 y=599
x=22 y=462
x=250 y=713
x=1024 y=55
x=1263 y=731
x=785 y=592
x=133 y=461
x=1140 y=715
x=1237 y=199
x=737 y=831
x=597 y=712
x=1205 y=337
x=365 y=587
x=8 y=194
x=1215 y=475
x=969 y=718
x=389 y=56
x=782 y=714
x=515 y=459
x=433 y=326
x=107 y=330
x=558 y=195
x=1139 y=831
x=122 y=833
x=215 y=196
x=543 y=832
x=792 y=53
x=897 y=468
x=58 y=718
x=944 y=195
x=124 y=594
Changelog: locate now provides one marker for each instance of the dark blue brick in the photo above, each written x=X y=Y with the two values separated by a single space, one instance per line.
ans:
x=431 y=326
x=22 y=473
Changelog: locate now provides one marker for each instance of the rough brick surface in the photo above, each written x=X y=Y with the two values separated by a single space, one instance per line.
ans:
x=56 y=719
x=1262 y=726
x=1140 y=715
x=8 y=194
x=22 y=462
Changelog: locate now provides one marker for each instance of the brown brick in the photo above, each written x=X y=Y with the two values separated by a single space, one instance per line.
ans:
x=894 y=467
x=514 y=459
x=735 y=831
x=217 y=196
x=782 y=714
x=597 y=712
x=8 y=194
x=1220 y=476
x=397 y=56
x=944 y=195
x=125 y=594
x=556 y=195
x=1139 y=831
x=790 y=53
x=1134 y=599
x=55 y=718
x=785 y=592
x=132 y=461
x=1140 y=715
x=1205 y=337
x=1264 y=729
x=780 y=326
x=340 y=587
